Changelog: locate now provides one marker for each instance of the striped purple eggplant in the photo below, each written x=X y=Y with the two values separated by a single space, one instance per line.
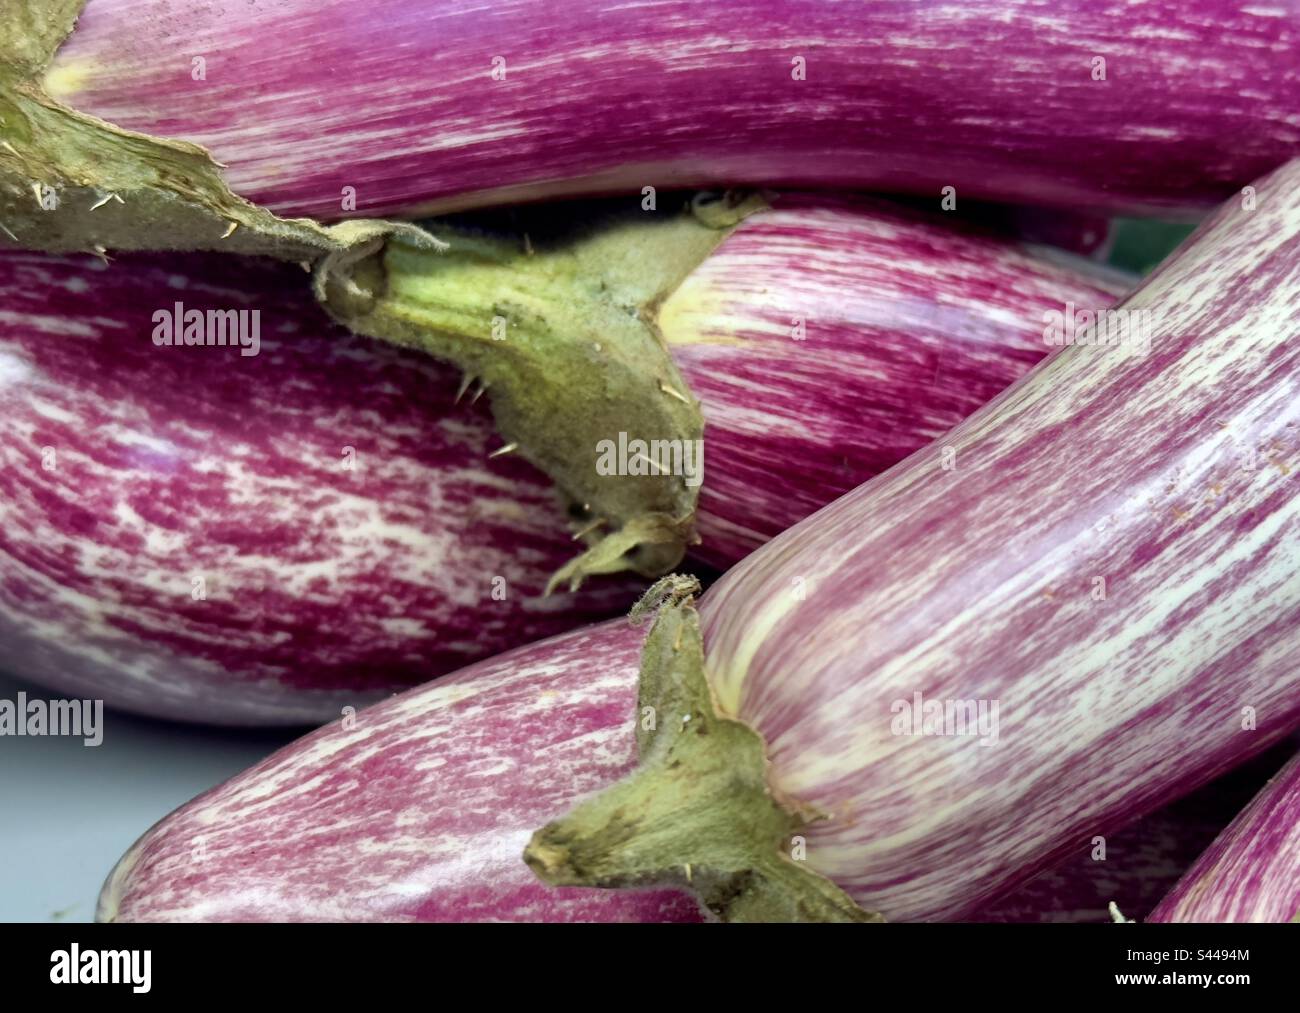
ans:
x=352 y=534
x=1081 y=603
x=843 y=334
x=444 y=779
x=1251 y=873
x=191 y=532
x=1162 y=106
x=967 y=575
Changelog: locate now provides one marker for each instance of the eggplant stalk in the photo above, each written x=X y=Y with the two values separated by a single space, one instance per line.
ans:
x=562 y=334
x=697 y=813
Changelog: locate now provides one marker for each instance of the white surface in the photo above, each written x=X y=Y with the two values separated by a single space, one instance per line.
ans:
x=67 y=812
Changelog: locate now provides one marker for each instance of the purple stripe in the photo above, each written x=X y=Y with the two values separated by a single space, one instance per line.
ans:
x=997 y=98
x=976 y=583
x=418 y=813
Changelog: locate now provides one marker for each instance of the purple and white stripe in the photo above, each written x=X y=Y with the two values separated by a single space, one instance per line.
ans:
x=908 y=324
x=969 y=583
x=323 y=585
x=1138 y=866
x=1166 y=480
x=1001 y=99
x=418 y=813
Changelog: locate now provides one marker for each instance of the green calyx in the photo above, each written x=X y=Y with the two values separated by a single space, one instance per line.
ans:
x=697 y=813
x=72 y=183
x=560 y=331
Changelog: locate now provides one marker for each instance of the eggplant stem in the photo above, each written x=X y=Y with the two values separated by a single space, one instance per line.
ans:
x=563 y=331
x=697 y=813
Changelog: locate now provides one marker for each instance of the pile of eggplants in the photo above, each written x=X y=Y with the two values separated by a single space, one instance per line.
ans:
x=979 y=600
x=1160 y=480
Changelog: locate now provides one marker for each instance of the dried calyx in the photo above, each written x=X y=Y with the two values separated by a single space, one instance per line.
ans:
x=73 y=183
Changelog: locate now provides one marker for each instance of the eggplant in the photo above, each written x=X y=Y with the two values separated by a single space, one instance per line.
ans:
x=417 y=809
x=1251 y=872
x=192 y=533
x=1081 y=603
x=424 y=108
x=1135 y=868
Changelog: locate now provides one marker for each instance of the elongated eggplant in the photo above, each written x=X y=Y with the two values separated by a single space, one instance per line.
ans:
x=1110 y=548
x=192 y=532
x=1163 y=107
x=416 y=810
x=202 y=533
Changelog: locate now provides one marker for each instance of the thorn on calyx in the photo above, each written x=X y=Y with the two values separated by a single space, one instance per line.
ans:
x=674 y=589
x=674 y=392
x=579 y=535
x=104 y=200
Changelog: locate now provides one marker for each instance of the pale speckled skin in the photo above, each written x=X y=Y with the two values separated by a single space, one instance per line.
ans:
x=910 y=323
x=329 y=588
x=324 y=587
x=994 y=97
x=977 y=583
x=420 y=812
x=1251 y=873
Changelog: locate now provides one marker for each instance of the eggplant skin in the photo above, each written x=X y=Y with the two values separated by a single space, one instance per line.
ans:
x=429 y=107
x=1251 y=872
x=418 y=811
x=1141 y=864
x=349 y=532
x=832 y=336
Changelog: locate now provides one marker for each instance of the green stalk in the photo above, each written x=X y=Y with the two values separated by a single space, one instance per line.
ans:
x=697 y=812
x=561 y=331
